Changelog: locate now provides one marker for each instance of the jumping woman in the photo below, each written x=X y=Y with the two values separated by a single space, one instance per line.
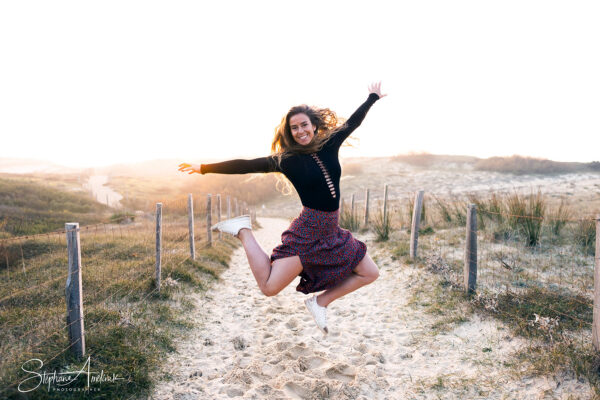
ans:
x=327 y=257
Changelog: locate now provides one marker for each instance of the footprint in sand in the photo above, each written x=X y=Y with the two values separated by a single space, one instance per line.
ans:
x=232 y=391
x=296 y=391
x=282 y=346
x=341 y=372
x=361 y=348
x=272 y=370
x=268 y=392
x=309 y=363
x=300 y=350
x=292 y=324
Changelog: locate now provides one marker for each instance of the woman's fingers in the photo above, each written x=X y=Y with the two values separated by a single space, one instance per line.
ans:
x=189 y=168
x=184 y=167
x=375 y=87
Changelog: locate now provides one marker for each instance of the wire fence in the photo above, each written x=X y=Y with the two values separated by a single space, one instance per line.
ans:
x=118 y=275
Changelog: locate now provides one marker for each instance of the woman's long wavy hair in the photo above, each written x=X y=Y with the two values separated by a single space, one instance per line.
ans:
x=284 y=144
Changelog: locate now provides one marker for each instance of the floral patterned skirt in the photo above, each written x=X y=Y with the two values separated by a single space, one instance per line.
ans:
x=328 y=253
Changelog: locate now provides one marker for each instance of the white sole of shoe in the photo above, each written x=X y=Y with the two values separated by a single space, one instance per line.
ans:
x=228 y=221
x=324 y=330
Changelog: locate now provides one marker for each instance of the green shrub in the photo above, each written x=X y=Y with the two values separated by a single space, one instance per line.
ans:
x=444 y=209
x=122 y=217
x=526 y=214
x=382 y=226
x=558 y=217
x=348 y=219
x=584 y=233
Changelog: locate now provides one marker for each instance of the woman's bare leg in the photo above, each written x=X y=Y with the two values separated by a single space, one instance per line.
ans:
x=271 y=279
x=365 y=272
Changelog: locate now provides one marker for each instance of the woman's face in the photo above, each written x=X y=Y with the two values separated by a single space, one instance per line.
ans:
x=302 y=129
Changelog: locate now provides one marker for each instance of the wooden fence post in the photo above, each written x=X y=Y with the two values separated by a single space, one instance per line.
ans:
x=219 y=211
x=341 y=206
x=470 y=268
x=385 y=198
x=74 y=292
x=228 y=207
x=191 y=226
x=596 y=308
x=416 y=222
x=158 y=244
x=208 y=219
x=237 y=208
x=366 y=207
x=352 y=205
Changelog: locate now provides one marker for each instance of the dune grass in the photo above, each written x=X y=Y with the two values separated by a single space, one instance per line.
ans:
x=382 y=226
x=349 y=219
x=31 y=206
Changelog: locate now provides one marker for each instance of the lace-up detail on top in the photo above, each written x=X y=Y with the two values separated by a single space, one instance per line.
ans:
x=325 y=174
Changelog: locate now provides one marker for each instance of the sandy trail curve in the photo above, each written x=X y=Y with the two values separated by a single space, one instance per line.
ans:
x=255 y=347
x=102 y=193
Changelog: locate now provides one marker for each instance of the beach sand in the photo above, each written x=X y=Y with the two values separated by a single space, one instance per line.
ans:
x=251 y=346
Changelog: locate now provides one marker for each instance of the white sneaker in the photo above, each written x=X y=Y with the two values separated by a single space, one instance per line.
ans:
x=233 y=225
x=318 y=313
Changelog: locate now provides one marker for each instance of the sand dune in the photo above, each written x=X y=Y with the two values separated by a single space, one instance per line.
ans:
x=255 y=347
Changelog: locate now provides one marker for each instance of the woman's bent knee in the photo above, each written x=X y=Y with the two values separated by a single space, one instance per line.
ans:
x=367 y=269
x=375 y=274
x=372 y=275
x=269 y=291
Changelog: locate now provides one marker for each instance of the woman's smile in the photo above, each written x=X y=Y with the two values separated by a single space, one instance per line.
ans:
x=302 y=129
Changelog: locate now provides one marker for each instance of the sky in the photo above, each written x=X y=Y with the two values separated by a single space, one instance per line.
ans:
x=97 y=83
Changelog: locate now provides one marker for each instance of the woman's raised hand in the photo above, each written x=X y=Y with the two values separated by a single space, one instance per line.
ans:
x=189 y=168
x=376 y=88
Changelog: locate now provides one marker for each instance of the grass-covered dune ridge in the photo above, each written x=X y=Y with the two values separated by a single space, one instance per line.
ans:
x=516 y=164
x=30 y=206
x=529 y=165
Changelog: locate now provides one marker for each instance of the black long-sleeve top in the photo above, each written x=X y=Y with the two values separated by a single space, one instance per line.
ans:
x=315 y=176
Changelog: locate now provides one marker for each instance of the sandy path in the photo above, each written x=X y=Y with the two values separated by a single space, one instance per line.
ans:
x=254 y=347
x=102 y=193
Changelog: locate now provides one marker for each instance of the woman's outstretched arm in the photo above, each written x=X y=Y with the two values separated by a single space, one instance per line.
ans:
x=237 y=166
x=358 y=116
